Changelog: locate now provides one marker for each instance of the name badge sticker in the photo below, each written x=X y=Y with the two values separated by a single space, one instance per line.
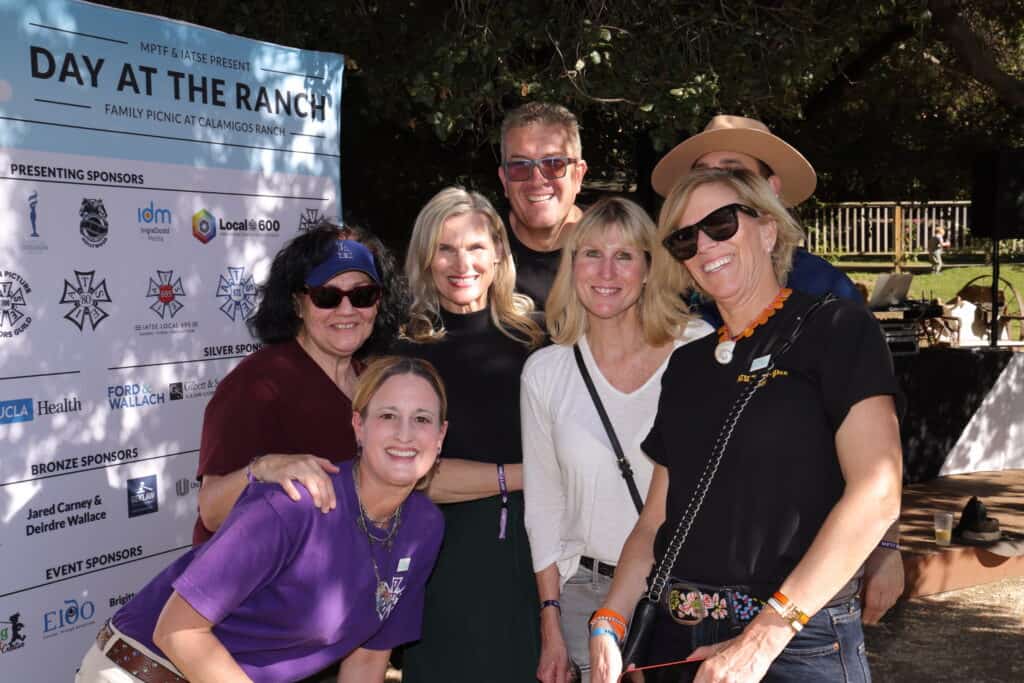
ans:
x=760 y=363
x=403 y=564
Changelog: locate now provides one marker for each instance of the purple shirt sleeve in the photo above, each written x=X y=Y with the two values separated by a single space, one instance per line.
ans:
x=230 y=567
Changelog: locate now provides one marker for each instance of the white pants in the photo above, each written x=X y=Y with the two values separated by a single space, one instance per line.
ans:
x=96 y=668
x=581 y=595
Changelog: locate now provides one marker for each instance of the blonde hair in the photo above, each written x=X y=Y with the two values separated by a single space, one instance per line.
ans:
x=509 y=311
x=751 y=190
x=662 y=310
x=383 y=368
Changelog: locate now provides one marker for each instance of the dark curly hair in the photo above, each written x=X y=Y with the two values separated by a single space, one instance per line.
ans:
x=275 y=320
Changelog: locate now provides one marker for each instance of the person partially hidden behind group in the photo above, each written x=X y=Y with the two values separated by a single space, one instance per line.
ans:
x=282 y=589
x=480 y=621
x=778 y=462
x=334 y=295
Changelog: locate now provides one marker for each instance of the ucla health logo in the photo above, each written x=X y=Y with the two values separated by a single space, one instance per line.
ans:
x=154 y=223
x=94 y=225
x=85 y=299
x=309 y=219
x=239 y=294
x=16 y=410
x=13 y=320
x=142 y=499
x=204 y=226
x=12 y=634
x=166 y=290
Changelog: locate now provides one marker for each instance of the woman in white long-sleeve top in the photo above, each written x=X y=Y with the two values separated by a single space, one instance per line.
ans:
x=578 y=506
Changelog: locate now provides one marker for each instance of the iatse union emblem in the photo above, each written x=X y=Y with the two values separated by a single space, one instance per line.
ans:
x=165 y=289
x=85 y=296
x=239 y=293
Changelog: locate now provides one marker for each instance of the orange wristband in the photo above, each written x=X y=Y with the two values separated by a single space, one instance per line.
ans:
x=792 y=612
x=613 y=618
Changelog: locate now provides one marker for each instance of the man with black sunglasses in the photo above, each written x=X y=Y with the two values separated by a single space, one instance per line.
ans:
x=736 y=142
x=541 y=171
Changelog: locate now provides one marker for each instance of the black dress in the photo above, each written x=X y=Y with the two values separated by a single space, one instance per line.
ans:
x=480 y=620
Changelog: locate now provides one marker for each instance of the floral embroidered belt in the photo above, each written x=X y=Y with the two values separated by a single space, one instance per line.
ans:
x=690 y=603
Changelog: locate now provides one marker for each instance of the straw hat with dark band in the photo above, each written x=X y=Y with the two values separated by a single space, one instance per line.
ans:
x=747 y=136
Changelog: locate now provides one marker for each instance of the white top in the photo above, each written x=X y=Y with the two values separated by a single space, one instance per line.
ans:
x=577 y=502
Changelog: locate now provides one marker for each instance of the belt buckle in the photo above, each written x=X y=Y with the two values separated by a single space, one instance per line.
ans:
x=686 y=604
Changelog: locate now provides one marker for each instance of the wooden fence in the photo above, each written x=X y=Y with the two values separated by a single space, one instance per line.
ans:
x=886 y=228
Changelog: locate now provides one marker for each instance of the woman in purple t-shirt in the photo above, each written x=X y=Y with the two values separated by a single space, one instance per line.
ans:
x=316 y=587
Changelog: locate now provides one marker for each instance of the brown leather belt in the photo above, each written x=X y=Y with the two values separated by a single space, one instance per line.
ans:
x=134 y=661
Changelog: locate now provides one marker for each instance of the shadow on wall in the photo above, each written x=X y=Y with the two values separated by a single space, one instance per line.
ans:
x=943 y=390
x=994 y=437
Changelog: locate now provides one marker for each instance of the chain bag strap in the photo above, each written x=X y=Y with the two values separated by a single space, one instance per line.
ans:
x=624 y=466
x=644 y=615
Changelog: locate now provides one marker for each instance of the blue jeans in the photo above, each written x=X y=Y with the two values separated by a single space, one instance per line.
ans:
x=830 y=649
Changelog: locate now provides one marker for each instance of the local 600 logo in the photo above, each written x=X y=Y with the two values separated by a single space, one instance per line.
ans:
x=204 y=226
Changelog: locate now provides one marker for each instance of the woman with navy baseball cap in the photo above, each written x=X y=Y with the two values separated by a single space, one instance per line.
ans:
x=333 y=297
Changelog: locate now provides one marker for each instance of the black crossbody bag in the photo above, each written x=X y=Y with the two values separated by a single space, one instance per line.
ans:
x=645 y=613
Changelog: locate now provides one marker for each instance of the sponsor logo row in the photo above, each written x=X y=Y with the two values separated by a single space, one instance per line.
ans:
x=86 y=300
x=143 y=498
x=118 y=396
x=153 y=220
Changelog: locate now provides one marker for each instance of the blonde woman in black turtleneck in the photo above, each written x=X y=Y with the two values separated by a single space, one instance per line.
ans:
x=481 y=606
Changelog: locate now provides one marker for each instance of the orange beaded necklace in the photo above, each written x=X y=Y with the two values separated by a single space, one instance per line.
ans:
x=727 y=343
x=775 y=305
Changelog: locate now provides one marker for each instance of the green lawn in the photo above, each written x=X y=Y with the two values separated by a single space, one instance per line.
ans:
x=946 y=284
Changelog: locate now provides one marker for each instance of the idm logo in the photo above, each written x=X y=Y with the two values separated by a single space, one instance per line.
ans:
x=204 y=226
x=151 y=214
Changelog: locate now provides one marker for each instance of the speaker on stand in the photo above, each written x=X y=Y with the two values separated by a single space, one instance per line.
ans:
x=997 y=209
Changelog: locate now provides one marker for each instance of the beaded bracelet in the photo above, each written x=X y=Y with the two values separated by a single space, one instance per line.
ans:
x=551 y=603
x=615 y=620
x=788 y=611
x=503 y=489
x=602 y=631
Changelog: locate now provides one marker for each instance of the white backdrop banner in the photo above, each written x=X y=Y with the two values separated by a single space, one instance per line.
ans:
x=149 y=171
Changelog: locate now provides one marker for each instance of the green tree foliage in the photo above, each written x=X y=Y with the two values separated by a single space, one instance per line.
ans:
x=889 y=99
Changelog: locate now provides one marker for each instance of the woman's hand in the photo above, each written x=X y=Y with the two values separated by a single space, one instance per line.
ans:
x=554 y=658
x=884 y=583
x=309 y=470
x=605 y=660
x=745 y=658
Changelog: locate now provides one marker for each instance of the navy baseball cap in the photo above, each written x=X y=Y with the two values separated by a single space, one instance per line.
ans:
x=347 y=255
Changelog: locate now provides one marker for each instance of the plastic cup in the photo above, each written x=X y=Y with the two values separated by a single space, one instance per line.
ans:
x=943 y=528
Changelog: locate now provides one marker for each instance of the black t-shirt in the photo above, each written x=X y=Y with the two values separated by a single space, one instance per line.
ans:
x=535 y=270
x=480 y=367
x=780 y=475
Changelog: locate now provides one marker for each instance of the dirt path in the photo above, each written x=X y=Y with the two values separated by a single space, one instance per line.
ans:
x=971 y=635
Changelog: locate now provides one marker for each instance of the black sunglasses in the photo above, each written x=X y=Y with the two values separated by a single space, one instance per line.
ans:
x=552 y=168
x=329 y=296
x=719 y=225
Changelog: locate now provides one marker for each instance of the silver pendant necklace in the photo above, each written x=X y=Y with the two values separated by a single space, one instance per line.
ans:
x=386 y=594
